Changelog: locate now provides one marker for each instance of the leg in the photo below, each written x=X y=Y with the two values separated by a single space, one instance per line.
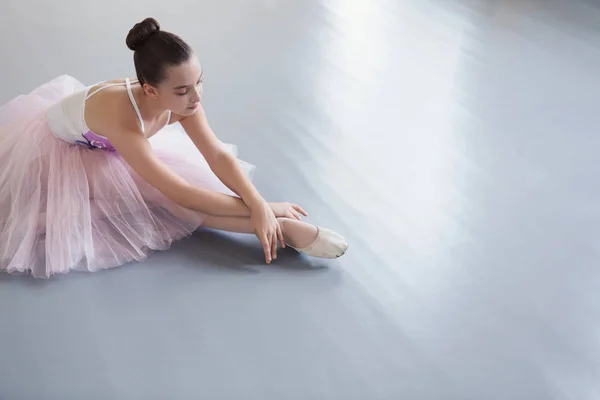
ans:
x=229 y=224
x=304 y=237
x=296 y=233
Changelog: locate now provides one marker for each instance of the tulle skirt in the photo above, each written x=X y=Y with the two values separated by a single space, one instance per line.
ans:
x=66 y=207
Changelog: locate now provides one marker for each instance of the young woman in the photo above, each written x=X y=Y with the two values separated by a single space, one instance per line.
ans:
x=83 y=188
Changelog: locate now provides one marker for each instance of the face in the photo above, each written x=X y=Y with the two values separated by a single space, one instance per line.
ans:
x=181 y=91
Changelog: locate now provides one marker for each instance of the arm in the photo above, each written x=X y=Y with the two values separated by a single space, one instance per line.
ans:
x=226 y=168
x=137 y=152
x=223 y=164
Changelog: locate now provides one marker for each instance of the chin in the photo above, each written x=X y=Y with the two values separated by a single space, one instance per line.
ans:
x=189 y=111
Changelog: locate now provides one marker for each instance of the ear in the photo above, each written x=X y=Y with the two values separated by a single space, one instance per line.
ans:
x=150 y=91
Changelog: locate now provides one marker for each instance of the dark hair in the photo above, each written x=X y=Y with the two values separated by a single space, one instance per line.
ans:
x=155 y=50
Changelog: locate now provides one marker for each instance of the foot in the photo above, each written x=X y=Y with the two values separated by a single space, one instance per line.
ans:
x=312 y=240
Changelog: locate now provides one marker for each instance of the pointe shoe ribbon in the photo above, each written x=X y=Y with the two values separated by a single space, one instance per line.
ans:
x=328 y=244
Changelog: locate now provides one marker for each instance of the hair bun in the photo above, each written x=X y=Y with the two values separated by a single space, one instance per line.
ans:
x=141 y=32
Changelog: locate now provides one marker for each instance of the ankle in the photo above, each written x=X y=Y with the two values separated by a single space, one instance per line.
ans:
x=297 y=233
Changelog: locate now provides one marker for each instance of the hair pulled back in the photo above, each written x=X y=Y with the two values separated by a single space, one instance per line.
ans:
x=155 y=50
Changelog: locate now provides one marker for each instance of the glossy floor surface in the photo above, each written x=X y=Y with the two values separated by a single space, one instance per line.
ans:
x=453 y=142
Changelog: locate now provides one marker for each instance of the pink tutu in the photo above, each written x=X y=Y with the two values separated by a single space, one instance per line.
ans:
x=66 y=207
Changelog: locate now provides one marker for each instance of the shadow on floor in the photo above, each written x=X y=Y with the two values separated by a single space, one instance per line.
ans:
x=207 y=249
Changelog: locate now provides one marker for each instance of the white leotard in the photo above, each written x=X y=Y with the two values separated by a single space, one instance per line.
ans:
x=67 y=122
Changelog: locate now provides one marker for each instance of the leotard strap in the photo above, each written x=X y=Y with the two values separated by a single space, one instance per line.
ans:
x=135 y=106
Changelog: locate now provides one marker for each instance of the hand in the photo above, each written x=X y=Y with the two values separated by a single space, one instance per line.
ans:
x=287 y=210
x=267 y=229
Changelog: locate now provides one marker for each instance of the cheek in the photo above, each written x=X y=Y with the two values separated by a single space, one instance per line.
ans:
x=178 y=102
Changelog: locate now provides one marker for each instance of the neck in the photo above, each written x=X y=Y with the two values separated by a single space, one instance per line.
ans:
x=149 y=108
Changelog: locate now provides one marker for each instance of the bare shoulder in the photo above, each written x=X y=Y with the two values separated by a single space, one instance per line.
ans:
x=109 y=111
x=182 y=118
x=111 y=83
x=175 y=118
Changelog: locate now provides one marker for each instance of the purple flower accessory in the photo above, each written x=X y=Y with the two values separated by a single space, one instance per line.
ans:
x=94 y=141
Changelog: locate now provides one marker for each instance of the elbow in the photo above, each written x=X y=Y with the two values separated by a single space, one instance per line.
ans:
x=181 y=195
x=220 y=159
x=183 y=202
x=186 y=201
x=193 y=198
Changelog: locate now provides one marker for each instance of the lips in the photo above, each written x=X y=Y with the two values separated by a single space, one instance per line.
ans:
x=194 y=106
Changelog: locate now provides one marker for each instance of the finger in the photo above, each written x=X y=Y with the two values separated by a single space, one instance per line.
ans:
x=300 y=209
x=274 y=245
x=266 y=248
x=297 y=215
x=280 y=235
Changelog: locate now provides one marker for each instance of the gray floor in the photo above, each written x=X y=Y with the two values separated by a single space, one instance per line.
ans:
x=453 y=142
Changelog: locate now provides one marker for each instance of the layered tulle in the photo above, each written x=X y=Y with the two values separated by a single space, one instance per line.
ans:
x=66 y=207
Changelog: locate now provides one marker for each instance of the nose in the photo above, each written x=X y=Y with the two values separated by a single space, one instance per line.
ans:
x=197 y=95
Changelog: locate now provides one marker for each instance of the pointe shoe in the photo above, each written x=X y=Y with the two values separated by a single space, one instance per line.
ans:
x=328 y=244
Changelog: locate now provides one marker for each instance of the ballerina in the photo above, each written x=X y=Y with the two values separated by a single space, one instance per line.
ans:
x=83 y=186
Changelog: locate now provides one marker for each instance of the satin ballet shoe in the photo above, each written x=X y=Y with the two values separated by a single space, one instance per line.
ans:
x=328 y=244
